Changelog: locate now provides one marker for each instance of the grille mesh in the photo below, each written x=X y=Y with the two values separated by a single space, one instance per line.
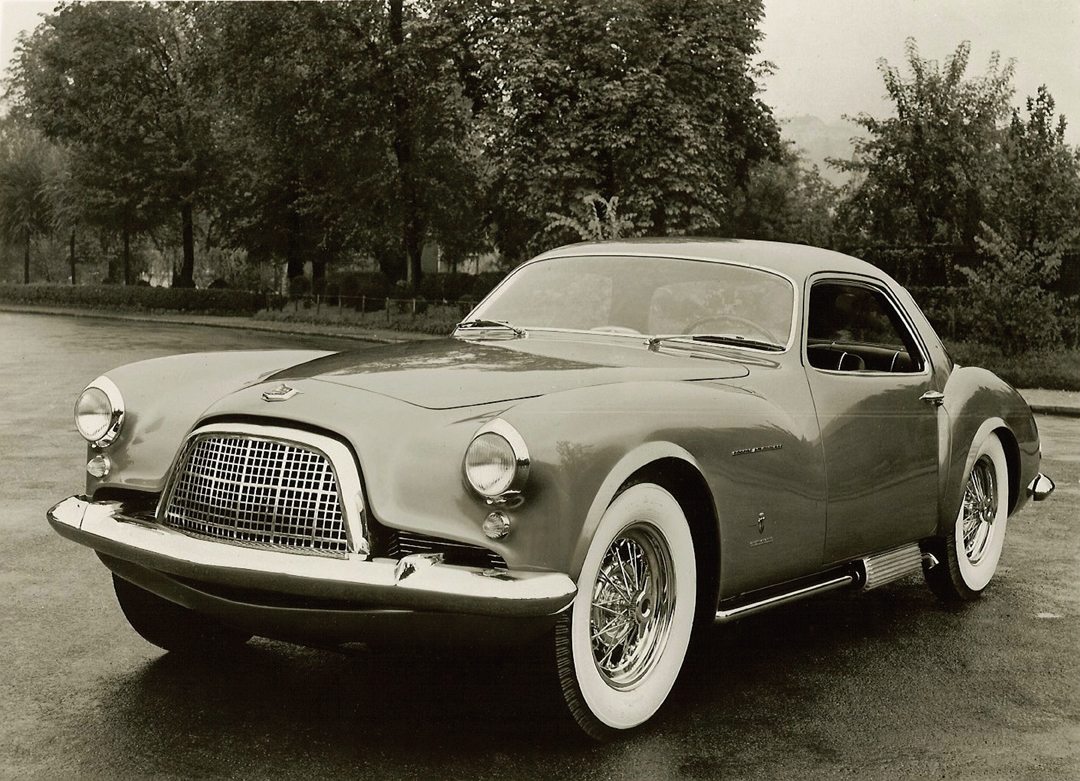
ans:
x=258 y=492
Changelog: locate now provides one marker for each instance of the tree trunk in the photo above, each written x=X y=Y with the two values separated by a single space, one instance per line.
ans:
x=318 y=273
x=186 y=277
x=412 y=227
x=26 y=258
x=294 y=258
x=127 y=256
x=71 y=255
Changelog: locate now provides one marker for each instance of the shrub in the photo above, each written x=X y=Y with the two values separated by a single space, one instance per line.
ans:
x=299 y=286
x=1011 y=304
x=369 y=287
x=1054 y=371
x=485 y=282
x=446 y=287
x=138 y=298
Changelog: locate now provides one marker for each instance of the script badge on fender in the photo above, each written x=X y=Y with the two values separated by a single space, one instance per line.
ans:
x=280 y=393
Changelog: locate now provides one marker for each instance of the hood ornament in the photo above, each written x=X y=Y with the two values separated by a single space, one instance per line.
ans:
x=281 y=393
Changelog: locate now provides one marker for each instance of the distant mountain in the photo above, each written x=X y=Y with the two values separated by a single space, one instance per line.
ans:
x=817 y=139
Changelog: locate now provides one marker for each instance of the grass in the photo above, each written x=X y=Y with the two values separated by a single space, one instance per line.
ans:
x=1058 y=370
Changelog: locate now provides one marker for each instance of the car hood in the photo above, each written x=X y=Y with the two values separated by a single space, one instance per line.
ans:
x=450 y=373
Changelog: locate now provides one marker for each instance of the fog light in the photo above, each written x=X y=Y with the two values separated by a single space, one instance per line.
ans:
x=497 y=525
x=99 y=465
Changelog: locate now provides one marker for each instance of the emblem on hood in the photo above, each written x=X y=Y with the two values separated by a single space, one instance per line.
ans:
x=280 y=393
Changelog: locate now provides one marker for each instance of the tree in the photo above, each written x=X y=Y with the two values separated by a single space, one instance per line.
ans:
x=113 y=81
x=1037 y=198
x=1012 y=305
x=650 y=101
x=352 y=128
x=785 y=200
x=925 y=176
x=25 y=211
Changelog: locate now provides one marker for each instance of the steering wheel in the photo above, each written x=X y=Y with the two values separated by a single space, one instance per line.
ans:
x=754 y=327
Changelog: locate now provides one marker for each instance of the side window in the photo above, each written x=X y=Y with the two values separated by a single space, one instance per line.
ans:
x=852 y=327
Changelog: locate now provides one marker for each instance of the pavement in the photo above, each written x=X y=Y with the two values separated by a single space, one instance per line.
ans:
x=335 y=330
x=886 y=684
x=1041 y=401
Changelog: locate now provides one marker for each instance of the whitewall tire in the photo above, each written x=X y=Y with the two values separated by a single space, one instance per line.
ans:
x=972 y=551
x=620 y=647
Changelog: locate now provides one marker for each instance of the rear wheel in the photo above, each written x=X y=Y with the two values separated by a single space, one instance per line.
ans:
x=968 y=557
x=172 y=627
x=621 y=646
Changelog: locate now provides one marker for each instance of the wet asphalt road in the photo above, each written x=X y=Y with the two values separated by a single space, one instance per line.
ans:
x=881 y=685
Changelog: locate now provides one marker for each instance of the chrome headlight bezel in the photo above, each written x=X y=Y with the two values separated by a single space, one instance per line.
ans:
x=102 y=436
x=514 y=480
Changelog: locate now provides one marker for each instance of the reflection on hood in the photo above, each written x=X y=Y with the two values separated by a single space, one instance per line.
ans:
x=447 y=373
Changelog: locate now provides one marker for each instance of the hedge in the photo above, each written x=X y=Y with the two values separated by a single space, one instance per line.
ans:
x=137 y=298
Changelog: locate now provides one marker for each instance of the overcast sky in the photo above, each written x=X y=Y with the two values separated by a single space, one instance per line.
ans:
x=825 y=51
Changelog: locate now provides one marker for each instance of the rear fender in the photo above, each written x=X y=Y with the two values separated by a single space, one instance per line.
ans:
x=978 y=404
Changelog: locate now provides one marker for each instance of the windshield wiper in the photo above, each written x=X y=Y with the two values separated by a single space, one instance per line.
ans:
x=732 y=339
x=518 y=332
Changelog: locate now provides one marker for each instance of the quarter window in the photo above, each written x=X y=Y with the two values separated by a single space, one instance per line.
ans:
x=856 y=328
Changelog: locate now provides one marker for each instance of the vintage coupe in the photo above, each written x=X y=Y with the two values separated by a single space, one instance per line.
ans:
x=622 y=440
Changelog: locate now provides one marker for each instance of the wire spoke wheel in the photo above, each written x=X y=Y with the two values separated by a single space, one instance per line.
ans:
x=620 y=647
x=632 y=605
x=979 y=509
x=968 y=555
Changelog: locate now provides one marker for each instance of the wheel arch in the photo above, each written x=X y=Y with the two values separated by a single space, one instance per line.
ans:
x=962 y=463
x=1012 y=459
x=677 y=471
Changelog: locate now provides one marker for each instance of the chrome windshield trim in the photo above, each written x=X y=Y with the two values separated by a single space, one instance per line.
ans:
x=793 y=330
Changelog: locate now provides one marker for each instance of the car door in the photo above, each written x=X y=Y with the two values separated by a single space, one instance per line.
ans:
x=869 y=373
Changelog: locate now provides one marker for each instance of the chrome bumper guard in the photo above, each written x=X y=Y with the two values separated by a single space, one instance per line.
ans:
x=1040 y=488
x=420 y=582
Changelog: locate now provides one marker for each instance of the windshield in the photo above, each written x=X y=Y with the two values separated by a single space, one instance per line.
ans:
x=642 y=295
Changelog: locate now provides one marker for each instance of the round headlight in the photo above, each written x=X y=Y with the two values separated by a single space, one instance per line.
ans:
x=496 y=461
x=99 y=412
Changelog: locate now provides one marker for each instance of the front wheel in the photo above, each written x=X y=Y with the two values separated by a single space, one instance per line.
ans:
x=621 y=646
x=969 y=555
x=171 y=626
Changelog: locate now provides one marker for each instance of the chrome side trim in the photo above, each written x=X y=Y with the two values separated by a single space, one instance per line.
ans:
x=340 y=457
x=841 y=581
x=418 y=583
x=1041 y=487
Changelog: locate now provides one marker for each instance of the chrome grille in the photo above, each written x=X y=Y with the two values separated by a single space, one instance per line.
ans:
x=401 y=544
x=254 y=491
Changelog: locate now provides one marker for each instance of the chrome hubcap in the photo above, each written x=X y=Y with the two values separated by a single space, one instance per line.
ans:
x=980 y=509
x=633 y=602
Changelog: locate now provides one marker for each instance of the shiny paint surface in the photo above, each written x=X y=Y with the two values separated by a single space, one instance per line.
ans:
x=791 y=496
x=880 y=442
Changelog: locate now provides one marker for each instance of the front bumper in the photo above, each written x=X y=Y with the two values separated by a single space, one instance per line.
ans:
x=418 y=583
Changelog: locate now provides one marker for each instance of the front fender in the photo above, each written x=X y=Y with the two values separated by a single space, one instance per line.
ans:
x=164 y=397
x=585 y=444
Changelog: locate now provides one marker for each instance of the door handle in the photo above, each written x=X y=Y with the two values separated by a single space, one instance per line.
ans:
x=937 y=398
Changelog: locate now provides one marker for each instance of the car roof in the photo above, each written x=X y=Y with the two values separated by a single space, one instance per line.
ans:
x=797 y=261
